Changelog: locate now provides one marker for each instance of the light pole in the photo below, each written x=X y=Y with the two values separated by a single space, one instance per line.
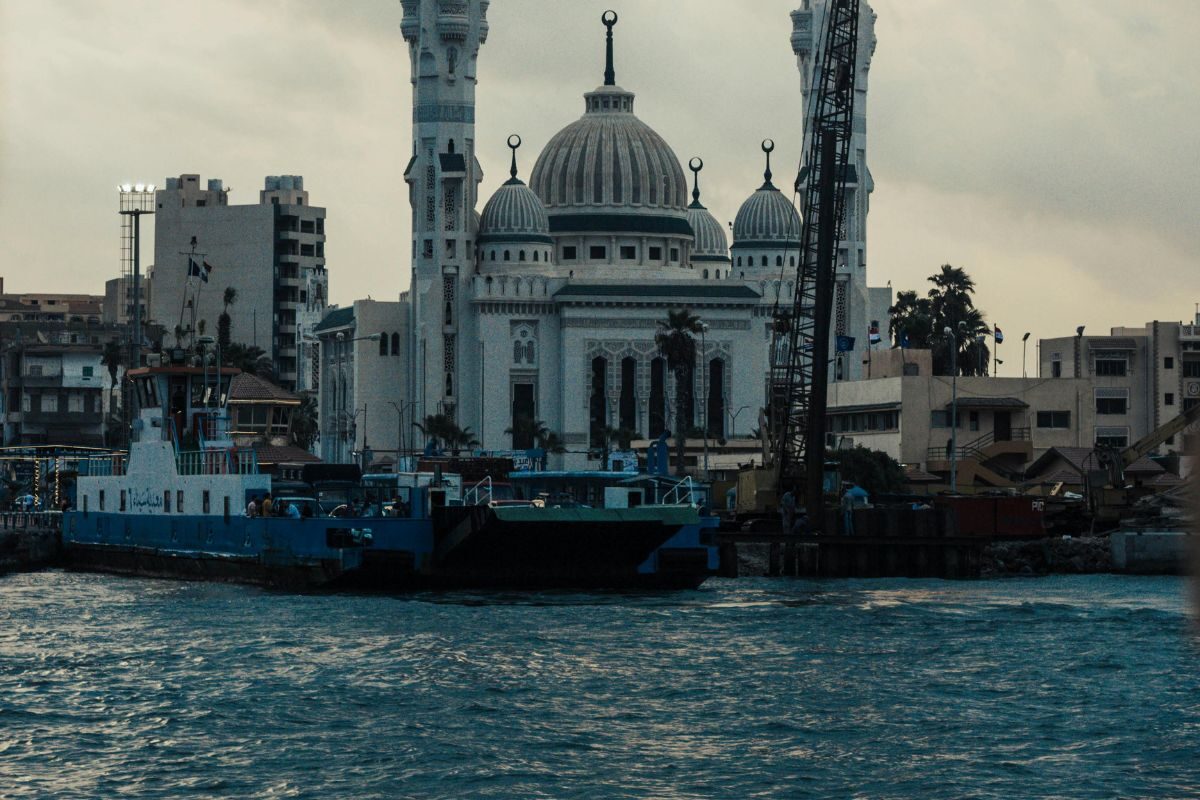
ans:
x=733 y=421
x=704 y=389
x=1024 y=340
x=952 y=339
x=403 y=407
x=341 y=336
x=136 y=199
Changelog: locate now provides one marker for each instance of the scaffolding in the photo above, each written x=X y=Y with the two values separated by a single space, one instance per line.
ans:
x=135 y=197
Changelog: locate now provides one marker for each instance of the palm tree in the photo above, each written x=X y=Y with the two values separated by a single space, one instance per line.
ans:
x=248 y=358
x=440 y=429
x=461 y=439
x=112 y=357
x=676 y=340
x=225 y=322
x=304 y=424
x=526 y=431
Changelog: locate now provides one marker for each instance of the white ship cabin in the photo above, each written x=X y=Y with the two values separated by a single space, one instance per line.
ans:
x=182 y=459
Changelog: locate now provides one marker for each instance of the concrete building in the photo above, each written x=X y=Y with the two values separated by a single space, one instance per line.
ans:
x=1144 y=377
x=56 y=390
x=363 y=364
x=272 y=253
x=117 y=305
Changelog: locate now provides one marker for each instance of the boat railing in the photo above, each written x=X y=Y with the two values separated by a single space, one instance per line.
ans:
x=480 y=494
x=217 y=462
x=682 y=493
x=102 y=466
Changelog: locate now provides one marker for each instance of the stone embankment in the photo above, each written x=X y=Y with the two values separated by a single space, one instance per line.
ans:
x=1078 y=555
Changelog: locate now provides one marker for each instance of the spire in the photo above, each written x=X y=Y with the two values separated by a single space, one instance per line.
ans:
x=695 y=165
x=609 y=18
x=514 y=141
x=767 y=146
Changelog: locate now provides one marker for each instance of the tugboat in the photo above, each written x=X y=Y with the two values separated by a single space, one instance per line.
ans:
x=175 y=505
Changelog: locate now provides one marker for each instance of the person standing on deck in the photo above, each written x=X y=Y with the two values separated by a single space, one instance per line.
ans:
x=265 y=506
x=252 y=507
x=787 y=511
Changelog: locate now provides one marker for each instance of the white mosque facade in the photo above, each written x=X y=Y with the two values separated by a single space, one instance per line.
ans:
x=545 y=303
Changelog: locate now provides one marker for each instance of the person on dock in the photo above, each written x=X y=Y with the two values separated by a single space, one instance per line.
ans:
x=291 y=511
x=265 y=506
x=854 y=497
x=252 y=506
x=787 y=511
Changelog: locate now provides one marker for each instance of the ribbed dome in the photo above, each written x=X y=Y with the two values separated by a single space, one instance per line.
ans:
x=611 y=163
x=514 y=214
x=766 y=219
x=710 y=242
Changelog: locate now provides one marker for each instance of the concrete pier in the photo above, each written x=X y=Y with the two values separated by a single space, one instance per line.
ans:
x=1152 y=552
x=29 y=541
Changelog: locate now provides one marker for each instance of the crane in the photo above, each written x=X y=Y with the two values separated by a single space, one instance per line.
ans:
x=799 y=376
x=1115 y=461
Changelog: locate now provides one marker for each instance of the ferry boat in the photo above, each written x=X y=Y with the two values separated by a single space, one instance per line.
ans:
x=174 y=506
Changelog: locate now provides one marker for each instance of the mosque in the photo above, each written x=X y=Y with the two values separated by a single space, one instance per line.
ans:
x=545 y=304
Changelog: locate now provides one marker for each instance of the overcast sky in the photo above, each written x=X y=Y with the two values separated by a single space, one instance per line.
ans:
x=1047 y=146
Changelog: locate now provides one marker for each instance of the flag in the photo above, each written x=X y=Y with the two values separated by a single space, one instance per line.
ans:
x=873 y=332
x=999 y=335
x=904 y=339
x=193 y=268
x=845 y=344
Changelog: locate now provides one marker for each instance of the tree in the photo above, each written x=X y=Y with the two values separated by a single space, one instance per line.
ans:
x=112 y=357
x=921 y=322
x=676 y=340
x=528 y=432
x=873 y=470
x=439 y=429
x=461 y=439
x=225 y=322
x=304 y=424
x=248 y=358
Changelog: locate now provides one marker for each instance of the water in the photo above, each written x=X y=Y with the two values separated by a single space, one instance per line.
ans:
x=1059 y=687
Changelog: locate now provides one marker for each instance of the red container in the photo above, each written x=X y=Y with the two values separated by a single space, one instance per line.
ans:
x=997 y=517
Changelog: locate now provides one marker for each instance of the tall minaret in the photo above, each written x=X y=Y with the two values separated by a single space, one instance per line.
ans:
x=444 y=37
x=850 y=296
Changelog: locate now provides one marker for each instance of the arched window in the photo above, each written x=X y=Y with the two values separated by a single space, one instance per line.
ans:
x=764 y=261
x=779 y=261
x=658 y=397
x=395 y=344
x=739 y=261
x=535 y=255
x=705 y=273
x=493 y=255
x=383 y=344
x=530 y=353
x=507 y=256
x=598 y=404
x=521 y=256
x=627 y=410
x=518 y=351
x=715 y=419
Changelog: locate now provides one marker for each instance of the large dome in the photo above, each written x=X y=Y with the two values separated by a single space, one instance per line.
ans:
x=710 y=244
x=609 y=171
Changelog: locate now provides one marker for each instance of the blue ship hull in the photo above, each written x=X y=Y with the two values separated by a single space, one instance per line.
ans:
x=283 y=553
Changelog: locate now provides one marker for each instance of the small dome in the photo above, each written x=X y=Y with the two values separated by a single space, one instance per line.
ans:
x=514 y=213
x=767 y=218
x=710 y=244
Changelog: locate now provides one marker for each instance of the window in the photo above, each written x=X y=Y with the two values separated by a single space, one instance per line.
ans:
x=779 y=261
x=1054 y=419
x=674 y=253
x=597 y=252
x=1168 y=362
x=205 y=501
x=974 y=420
x=179 y=501
x=521 y=256
x=101 y=499
x=122 y=507
x=1110 y=365
x=88 y=372
x=655 y=253
x=1112 y=401
x=628 y=252
x=739 y=261
x=1055 y=369
x=939 y=419
x=507 y=255
x=383 y=344
x=1191 y=369
x=569 y=252
x=535 y=254
x=167 y=501
x=706 y=273
x=492 y=257
x=764 y=261
x=1112 y=437
x=1169 y=399
x=395 y=344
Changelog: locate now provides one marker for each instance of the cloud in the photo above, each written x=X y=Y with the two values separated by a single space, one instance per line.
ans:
x=1046 y=145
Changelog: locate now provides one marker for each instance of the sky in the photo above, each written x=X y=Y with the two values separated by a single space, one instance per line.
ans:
x=1046 y=146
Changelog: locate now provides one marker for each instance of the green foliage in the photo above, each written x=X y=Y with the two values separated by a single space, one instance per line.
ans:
x=676 y=340
x=443 y=431
x=248 y=358
x=873 y=470
x=949 y=304
x=225 y=322
x=528 y=432
x=304 y=423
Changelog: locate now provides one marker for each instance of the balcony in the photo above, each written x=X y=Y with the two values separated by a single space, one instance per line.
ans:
x=43 y=381
x=81 y=419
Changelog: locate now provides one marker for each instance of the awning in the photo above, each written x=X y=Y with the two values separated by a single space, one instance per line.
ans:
x=1002 y=403
x=1113 y=343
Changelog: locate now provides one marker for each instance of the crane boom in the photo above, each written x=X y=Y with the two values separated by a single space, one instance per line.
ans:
x=800 y=339
x=1159 y=435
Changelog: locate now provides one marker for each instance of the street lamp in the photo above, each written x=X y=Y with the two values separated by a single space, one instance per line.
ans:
x=952 y=339
x=341 y=336
x=704 y=389
x=403 y=407
x=733 y=421
x=1078 y=343
x=1024 y=340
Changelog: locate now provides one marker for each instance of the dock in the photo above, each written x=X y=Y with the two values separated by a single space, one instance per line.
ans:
x=29 y=540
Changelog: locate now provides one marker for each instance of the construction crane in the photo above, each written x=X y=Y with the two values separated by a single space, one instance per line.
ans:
x=1114 y=461
x=799 y=378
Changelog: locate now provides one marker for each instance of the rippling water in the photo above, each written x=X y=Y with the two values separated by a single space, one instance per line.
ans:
x=1055 y=687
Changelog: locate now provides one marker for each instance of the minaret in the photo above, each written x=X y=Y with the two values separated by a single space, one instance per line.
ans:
x=444 y=37
x=850 y=296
